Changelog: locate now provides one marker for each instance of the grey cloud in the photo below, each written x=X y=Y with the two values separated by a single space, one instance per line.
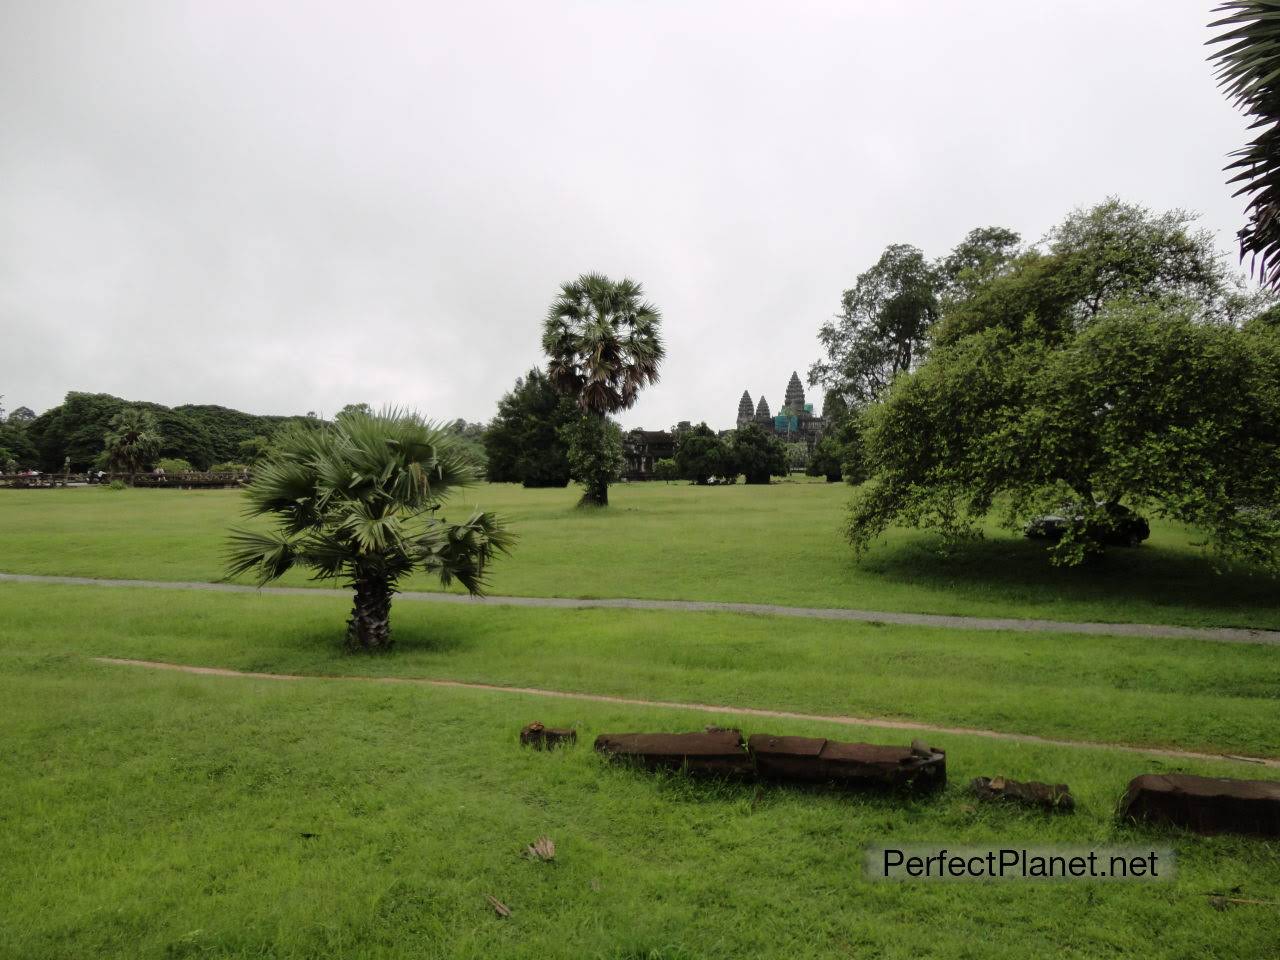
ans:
x=291 y=206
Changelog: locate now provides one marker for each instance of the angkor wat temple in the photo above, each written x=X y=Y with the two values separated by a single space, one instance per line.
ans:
x=794 y=423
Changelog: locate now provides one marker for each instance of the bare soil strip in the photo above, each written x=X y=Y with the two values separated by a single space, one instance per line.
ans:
x=1149 y=630
x=700 y=708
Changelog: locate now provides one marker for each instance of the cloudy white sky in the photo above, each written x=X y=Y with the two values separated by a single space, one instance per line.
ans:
x=285 y=207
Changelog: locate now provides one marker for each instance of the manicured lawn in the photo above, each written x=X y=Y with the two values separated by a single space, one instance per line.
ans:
x=775 y=544
x=147 y=815
x=1185 y=693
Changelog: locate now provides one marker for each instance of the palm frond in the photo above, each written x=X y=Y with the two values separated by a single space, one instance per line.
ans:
x=1248 y=71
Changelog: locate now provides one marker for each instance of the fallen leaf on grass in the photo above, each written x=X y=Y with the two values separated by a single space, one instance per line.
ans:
x=544 y=849
x=500 y=908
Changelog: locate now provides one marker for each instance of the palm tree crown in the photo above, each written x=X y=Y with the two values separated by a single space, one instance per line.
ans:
x=1249 y=73
x=603 y=342
x=356 y=500
x=132 y=439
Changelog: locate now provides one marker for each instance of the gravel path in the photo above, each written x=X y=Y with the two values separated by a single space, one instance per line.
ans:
x=700 y=708
x=1216 y=634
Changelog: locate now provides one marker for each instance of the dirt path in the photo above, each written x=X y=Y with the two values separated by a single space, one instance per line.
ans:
x=1150 y=630
x=699 y=708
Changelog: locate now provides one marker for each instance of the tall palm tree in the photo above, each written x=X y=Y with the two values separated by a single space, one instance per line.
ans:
x=603 y=345
x=1249 y=73
x=132 y=438
x=356 y=501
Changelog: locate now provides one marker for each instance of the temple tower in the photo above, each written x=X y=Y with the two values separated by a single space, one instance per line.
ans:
x=762 y=409
x=744 y=408
x=795 y=394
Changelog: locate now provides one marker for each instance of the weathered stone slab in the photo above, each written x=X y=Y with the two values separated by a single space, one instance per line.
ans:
x=854 y=765
x=1205 y=804
x=1053 y=797
x=547 y=738
x=716 y=752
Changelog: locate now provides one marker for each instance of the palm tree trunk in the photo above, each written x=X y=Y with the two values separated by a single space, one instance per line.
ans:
x=369 y=629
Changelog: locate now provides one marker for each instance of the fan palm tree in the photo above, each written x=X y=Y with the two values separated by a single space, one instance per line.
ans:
x=603 y=345
x=1249 y=73
x=132 y=438
x=356 y=501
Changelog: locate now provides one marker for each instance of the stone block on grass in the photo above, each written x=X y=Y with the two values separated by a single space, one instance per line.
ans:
x=547 y=738
x=1206 y=805
x=849 y=765
x=713 y=753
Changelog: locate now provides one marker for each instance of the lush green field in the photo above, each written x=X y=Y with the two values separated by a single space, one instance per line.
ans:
x=160 y=815
x=154 y=815
x=774 y=544
x=1181 y=693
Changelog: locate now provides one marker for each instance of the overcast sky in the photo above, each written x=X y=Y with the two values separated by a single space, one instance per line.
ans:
x=285 y=207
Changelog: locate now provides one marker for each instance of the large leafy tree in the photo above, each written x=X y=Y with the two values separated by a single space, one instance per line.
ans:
x=1249 y=73
x=1147 y=408
x=1085 y=374
x=758 y=455
x=883 y=325
x=603 y=344
x=358 y=500
x=701 y=455
x=132 y=440
x=524 y=441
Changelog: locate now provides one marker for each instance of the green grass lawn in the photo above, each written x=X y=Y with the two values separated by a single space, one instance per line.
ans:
x=774 y=544
x=1183 y=693
x=154 y=815
x=160 y=815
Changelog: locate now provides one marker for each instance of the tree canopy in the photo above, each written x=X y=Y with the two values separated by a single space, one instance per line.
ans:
x=524 y=442
x=701 y=455
x=1111 y=369
x=758 y=455
x=882 y=327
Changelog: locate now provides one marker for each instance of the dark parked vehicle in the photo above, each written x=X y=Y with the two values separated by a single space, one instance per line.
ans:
x=1120 y=527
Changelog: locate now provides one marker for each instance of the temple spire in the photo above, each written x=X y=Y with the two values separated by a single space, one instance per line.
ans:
x=744 y=407
x=795 y=394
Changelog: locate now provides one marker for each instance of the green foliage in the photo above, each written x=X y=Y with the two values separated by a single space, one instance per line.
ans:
x=354 y=409
x=603 y=344
x=201 y=434
x=117 y=484
x=174 y=465
x=1249 y=74
x=132 y=439
x=524 y=442
x=701 y=455
x=882 y=326
x=229 y=467
x=357 y=501
x=758 y=455
x=1098 y=256
x=666 y=470
x=797 y=455
x=595 y=455
x=980 y=257
x=253 y=449
x=16 y=443
x=1145 y=407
